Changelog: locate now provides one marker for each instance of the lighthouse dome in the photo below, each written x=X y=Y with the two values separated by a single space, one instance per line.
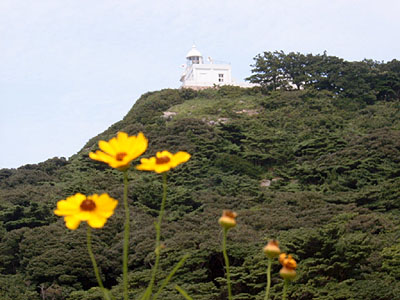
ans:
x=193 y=52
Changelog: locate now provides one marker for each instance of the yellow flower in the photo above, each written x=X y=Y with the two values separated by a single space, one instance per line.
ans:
x=163 y=161
x=94 y=209
x=228 y=219
x=121 y=150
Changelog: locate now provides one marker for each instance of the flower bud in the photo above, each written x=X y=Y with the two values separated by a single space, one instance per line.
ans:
x=288 y=265
x=287 y=273
x=227 y=220
x=272 y=250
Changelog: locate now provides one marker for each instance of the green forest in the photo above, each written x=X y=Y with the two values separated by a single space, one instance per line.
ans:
x=311 y=158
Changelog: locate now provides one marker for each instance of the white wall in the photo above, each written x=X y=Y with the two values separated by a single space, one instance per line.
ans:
x=207 y=75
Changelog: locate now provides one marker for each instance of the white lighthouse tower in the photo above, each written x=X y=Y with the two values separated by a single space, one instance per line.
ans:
x=198 y=74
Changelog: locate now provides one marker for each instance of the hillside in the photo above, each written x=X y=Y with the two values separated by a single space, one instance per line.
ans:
x=316 y=171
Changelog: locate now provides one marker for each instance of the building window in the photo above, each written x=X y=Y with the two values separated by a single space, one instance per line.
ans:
x=220 y=77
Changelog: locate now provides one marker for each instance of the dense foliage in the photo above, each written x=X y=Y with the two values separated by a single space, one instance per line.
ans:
x=363 y=81
x=315 y=168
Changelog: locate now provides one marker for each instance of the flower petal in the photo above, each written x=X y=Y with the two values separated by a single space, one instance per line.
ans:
x=163 y=154
x=65 y=208
x=105 y=205
x=70 y=205
x=101 y=156
x=162 y=168
x=96 y=221
x=115 y=144
x=147 y=164
x=180 y=157
x=72 y=222
x=107 y=148
x=136 y=146
x=122 y=139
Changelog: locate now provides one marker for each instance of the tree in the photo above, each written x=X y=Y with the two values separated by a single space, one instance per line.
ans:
x=267 y=70
x=387 y=83
x=294 y=67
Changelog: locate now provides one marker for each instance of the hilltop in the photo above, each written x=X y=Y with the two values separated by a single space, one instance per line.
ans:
x=314 y=170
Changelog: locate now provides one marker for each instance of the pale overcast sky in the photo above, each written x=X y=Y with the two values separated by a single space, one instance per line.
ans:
x=71 y=68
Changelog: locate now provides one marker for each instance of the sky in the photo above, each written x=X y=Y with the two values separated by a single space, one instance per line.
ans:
x=69 y=69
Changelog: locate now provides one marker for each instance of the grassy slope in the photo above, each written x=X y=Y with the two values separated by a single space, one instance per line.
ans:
x=333 y=169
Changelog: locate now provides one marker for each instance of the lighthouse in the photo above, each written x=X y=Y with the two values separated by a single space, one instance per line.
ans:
x=198 y=74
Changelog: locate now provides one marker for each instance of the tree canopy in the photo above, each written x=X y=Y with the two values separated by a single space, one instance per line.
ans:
x=366 y=80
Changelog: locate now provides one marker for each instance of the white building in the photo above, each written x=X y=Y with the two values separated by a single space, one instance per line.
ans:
x=198 y=75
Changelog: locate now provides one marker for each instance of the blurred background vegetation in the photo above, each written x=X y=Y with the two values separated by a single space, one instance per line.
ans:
x=314 y=164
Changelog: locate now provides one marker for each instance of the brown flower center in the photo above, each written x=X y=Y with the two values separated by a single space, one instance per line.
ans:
x=120 y=156
x=88 y=205
x=162 y=160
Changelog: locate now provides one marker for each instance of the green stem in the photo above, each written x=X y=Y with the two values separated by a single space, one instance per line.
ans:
x=95 y=267
x=158 y=237
x=268 y=279
x=126 y=237
x=183 y=293
x=228 y=274
x=172 y=273
x=285 y=286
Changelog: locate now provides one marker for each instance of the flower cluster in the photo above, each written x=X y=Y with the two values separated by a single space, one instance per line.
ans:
x=118 y=153
x=271 y=250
